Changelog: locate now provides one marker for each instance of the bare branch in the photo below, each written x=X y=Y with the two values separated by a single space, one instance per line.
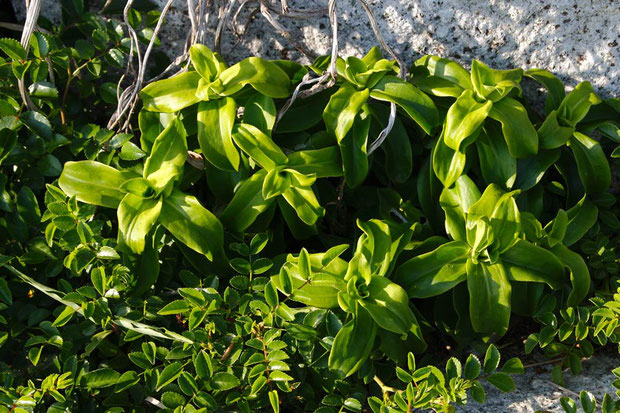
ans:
x=191 y=12
x=284 y=32
x=134 y=48
x=307 y=80
x=195 y=160
x=224 y=15
x=384 y=133
x=16 y=27
x=129 y=97
x=296 y=13
x=205 y=8
x=402 y=74
x=327 y=79
x=235 y=25
x=375 y=28
x=32 y=15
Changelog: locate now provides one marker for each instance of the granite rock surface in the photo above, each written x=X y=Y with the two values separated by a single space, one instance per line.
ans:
x=575 y=39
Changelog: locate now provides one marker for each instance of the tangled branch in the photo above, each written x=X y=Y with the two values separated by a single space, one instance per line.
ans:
x=199 y=14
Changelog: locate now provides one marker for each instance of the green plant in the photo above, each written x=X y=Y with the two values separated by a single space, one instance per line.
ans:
x=225 y=279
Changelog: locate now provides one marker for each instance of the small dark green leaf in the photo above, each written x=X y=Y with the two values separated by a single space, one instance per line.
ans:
x=100 y=378
x=502 y=381
x=169 y=374
x=175 y=307
x=224 y=381
x=491 y=359
x=13 y=49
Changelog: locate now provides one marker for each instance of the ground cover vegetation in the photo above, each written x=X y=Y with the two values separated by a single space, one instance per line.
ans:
x=237 y=246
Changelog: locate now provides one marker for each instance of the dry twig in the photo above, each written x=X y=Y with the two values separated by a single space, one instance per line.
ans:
x=33 y=9
x=402 y=74
x=328 y=79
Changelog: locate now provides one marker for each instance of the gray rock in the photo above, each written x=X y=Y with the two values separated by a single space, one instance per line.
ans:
x=535 y=391
x=576 y=40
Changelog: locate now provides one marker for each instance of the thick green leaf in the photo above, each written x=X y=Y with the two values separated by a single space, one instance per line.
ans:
x=554 y=86
x=496 y=163
x=353 y=344
x=591 y=163
x=463 y=119
x=414 y=102
x=353 y=150
x=206 y=63
x=131 y=152
x=388 y=304
x=304 y=113
x=259 y=146
x=448 y=164
x=579 y=274
x=147 y=268
x=168 y=155
x=43 y=90
x=552 y=134
x=151 y=125
x=247 y=204
x=493 y=84
x=192 y=224
x=556 y=229
x=518 y=131
x=324 y=162
x=342 y=108
x=264 y=76
x=274 y=401
x=513 y=366
x=94 y=183
x=581 y=218
x=532 y=169
x=455 y=202
x=136 y=217
x=172 y=400
x=171 y=95
x=376 y=245
x=530 y=263
x=577 y=103
x=276 y=182
x=327 y=281
x=305 y=203
x=500 y=209
x=28 y=206
x=260 y=111
x=434 y=272
x=215 y=119
x=440 y=76
x=489 y=297
x=477 y=392
x=472 y=367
